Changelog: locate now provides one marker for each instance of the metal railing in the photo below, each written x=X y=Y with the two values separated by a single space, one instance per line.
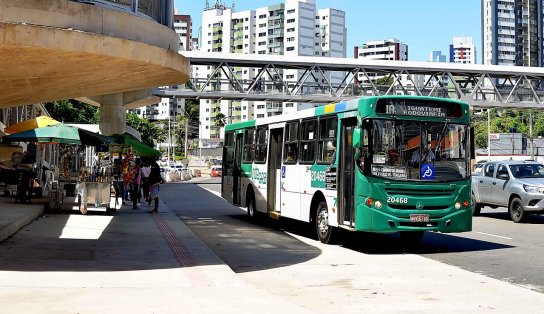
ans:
x=159 y=10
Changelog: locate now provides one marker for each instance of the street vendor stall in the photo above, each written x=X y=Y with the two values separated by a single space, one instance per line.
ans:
x=66 y=180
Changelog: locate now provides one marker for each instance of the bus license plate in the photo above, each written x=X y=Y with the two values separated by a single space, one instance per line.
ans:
x=419 y=218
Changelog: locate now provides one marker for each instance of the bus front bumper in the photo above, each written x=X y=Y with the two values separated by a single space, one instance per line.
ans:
x=373 y=220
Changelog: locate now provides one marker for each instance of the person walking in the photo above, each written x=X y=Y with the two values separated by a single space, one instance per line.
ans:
x=146 y=171
x=154 y=182
x=135 y=183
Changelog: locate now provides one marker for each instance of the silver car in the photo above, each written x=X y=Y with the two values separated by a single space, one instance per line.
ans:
x=517 y=185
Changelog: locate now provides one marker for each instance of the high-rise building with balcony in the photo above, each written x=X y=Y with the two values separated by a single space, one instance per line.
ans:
x=462 y=50
x=294 y=27
x=512 y=32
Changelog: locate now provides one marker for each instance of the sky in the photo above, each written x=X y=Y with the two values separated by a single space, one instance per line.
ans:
x=424 y=25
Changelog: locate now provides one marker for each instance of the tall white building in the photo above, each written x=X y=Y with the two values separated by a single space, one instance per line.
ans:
x=462 y=50
x=512 y=32
x=167 y=108
x=389 y=49
x=294 y=27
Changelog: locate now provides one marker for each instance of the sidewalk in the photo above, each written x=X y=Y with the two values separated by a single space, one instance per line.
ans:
x=129 y=262
x=14 y=216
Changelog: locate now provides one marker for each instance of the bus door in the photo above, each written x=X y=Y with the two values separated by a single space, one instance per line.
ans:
x=274 y=170
x=237 y=171
x=346 y=173
x=228 y=167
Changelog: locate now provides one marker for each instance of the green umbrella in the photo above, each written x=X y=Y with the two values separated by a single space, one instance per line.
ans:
x=140 y=148
x=59 y=133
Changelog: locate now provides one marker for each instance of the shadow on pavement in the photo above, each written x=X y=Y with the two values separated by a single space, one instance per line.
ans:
x=67 y=241
x=225 y=229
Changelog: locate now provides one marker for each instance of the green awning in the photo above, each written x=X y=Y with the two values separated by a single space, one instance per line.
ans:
x=140 y=148
x=59 y=133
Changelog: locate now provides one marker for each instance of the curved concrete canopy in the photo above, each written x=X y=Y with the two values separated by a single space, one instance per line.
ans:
x=43 y=64
x=58 y=49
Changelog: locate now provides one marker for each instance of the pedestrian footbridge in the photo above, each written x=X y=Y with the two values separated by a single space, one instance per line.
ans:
x=325 y=80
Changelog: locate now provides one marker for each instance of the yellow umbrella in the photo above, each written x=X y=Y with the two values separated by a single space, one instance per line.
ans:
x=30 y=124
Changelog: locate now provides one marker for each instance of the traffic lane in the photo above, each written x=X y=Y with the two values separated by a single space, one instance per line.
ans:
x=478 y=251
x=341 y=278
x=225 y=229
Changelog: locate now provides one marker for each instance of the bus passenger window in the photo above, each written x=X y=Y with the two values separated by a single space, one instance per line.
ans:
x=327 y=140
x=261 y=145
x=249 y=145
x=307 y=141
x=291 y=143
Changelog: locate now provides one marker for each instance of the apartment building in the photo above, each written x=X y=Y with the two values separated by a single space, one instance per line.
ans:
x=294 y=27
x=512 y=32
x=388 y=49
x=183 y=27
x=462 y=50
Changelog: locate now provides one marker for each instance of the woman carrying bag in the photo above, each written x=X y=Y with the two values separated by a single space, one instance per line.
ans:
x=155 y=181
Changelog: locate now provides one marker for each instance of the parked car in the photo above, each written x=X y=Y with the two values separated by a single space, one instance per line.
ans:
x=517 y=185
x=478 y=166
x=216 y=171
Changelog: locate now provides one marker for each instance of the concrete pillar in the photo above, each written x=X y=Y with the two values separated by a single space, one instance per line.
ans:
x=113 y=114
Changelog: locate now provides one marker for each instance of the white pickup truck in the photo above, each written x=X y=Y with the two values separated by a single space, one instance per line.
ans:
x=517 y=185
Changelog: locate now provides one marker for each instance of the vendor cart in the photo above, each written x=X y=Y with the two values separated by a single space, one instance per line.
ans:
x=94 y=188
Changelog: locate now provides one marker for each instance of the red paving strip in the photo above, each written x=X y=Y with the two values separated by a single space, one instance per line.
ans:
x=183 y=256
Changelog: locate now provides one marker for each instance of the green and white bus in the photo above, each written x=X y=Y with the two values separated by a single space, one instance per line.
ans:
x=402 y=165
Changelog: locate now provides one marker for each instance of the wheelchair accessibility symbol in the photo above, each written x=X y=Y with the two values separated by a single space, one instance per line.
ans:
x=427 y=172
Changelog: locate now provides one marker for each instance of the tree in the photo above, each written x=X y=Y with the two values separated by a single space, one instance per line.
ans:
x=150 y=132
x=187 y=123
x=502 y=121
x=385 y=80
x=220 y=120
x=73 y=111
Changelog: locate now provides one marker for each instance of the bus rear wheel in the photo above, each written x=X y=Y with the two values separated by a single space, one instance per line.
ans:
x=251 y=210
x=324 y=230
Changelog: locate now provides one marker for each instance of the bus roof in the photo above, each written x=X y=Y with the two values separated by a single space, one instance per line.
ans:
x=354 y=104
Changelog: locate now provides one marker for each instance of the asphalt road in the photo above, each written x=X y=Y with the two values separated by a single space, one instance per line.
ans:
x=496 y=247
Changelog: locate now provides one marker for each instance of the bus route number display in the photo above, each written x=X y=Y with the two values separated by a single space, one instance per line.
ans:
x=389 y=171
x=405 y=107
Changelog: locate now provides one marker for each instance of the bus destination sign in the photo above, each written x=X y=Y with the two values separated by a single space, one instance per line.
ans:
x=410 y=107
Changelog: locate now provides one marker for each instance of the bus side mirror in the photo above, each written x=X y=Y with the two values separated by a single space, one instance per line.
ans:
x=357 y=137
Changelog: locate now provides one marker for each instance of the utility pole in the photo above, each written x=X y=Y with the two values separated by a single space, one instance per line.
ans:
x=186 y=136
x=169 y=138
x=488 y=135
x=531 y=134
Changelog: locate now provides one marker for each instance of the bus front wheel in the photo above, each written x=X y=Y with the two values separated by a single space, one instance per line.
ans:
x=324 y=230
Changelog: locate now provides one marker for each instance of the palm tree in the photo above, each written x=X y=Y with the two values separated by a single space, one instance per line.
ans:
x=186 y=119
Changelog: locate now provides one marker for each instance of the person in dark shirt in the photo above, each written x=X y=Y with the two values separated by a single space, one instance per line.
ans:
x=154 y=182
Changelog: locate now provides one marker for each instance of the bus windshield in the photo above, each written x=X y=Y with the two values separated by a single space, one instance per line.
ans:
x=421 y=151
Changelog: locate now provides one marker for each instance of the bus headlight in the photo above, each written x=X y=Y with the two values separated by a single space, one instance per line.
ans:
x=457 y=205
x=378 y=204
